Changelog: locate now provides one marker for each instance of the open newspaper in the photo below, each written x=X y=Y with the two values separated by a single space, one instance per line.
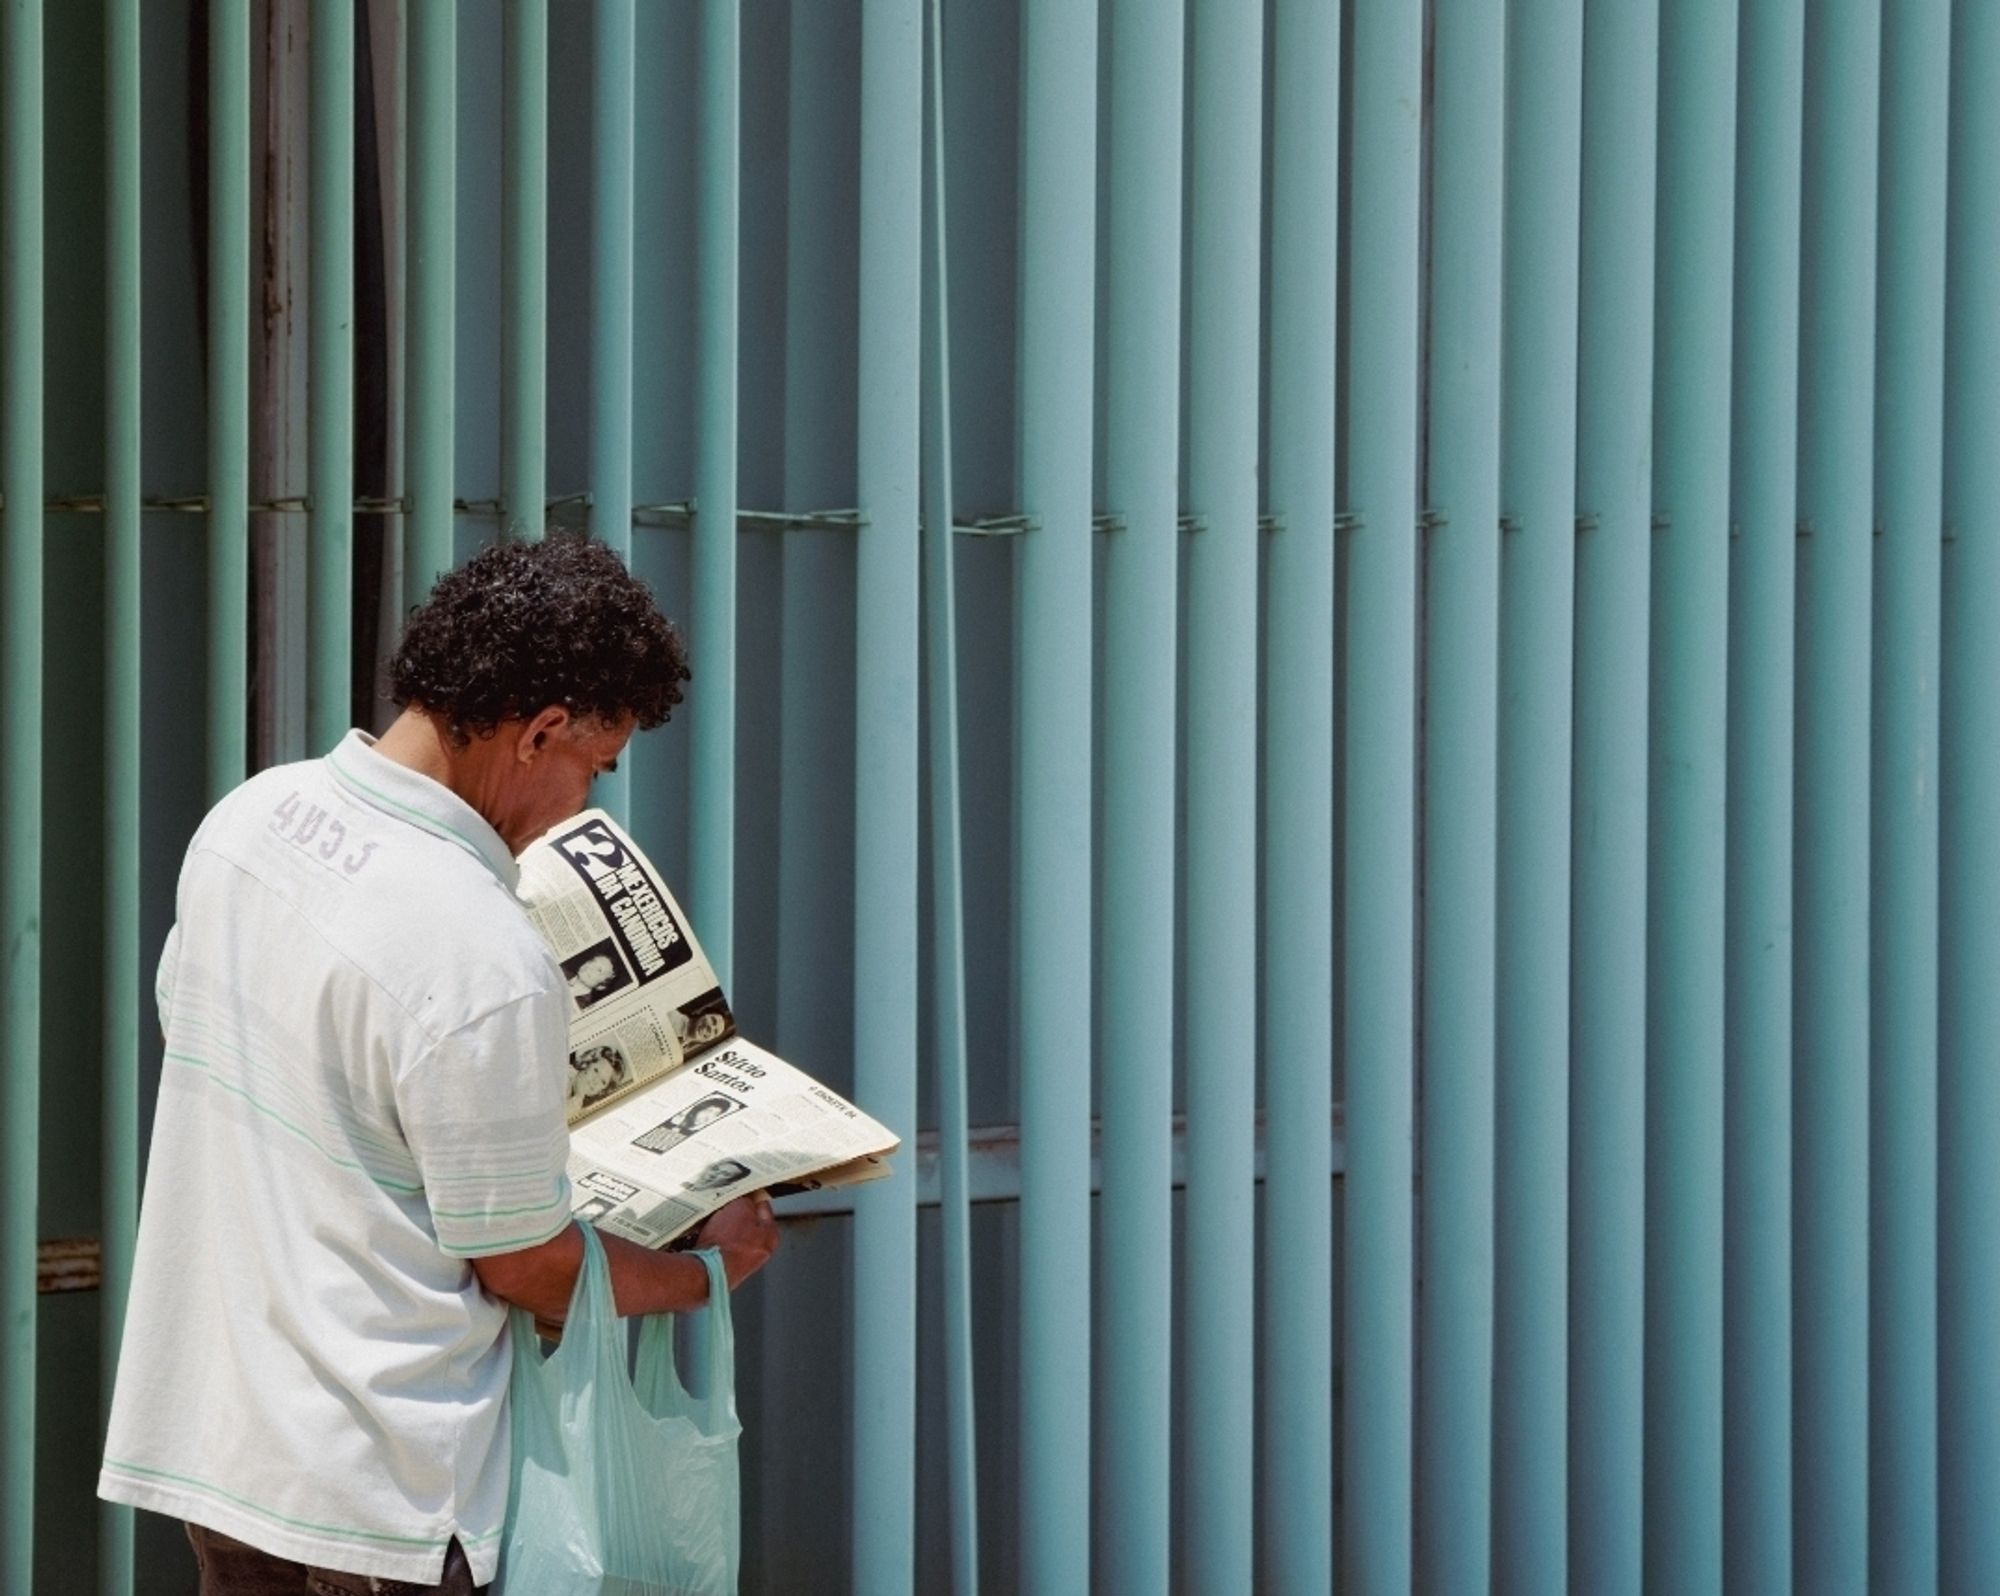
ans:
x=671 y=1113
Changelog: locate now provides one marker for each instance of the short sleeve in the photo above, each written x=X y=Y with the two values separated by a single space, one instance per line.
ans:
x=163 y=978
x=482 y=1110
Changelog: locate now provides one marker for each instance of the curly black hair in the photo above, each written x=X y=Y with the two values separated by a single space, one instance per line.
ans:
x=521 y=626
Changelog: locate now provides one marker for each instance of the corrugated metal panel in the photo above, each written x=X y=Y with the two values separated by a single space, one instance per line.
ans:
x=1665 y=1052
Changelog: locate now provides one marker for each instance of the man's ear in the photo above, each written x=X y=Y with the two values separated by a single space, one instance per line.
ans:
x=538 y=732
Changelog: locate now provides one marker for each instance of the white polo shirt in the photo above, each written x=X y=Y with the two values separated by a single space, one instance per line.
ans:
x=363 y=1089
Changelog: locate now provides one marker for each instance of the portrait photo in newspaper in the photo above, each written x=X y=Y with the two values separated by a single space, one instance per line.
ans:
x=719 y=1176
x=595 y=973
x=690 y=1121
x=703 y=1021
x=595 y=1072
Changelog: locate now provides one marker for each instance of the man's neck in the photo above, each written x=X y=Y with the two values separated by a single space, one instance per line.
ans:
x=420 y=743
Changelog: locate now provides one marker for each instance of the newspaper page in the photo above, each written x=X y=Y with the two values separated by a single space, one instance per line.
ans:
x=655 y=1163
x=643 y=995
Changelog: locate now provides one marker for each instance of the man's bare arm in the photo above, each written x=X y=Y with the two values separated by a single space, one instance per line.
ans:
x=541 y=1278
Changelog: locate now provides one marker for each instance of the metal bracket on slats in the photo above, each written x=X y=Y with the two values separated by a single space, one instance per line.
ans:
x=681 y=513
x=997 y=526
x=1104 y=521
x=73 y=1264
x=799 y=520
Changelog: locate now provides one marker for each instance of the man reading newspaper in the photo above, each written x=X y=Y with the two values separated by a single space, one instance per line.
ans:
x=358 y=1158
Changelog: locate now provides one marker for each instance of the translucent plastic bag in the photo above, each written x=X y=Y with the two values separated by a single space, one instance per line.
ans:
x=623 y=1484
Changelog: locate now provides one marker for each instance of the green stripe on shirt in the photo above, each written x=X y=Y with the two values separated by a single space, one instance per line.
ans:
x=341 y=1530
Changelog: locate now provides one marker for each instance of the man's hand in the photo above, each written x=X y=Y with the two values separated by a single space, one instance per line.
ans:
x=745 y=1233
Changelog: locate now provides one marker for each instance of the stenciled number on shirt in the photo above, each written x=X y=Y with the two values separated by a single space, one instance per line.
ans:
x=300 y=824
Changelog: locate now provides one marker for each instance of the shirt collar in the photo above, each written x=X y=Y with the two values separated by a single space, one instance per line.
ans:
x=408 y=795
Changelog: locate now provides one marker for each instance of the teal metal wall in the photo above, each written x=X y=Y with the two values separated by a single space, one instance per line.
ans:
x=1346 y=655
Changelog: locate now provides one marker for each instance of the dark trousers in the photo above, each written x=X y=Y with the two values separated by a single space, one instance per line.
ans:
x=229 y=1568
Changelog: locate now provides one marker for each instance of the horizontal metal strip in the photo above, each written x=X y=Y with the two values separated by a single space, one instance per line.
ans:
x=675 y=513
x=1014 y=523
x=993 y=1168
x=681 y=513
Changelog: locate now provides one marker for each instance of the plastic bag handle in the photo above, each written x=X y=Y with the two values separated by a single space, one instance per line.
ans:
x=659 y=1379
x=590 y=1331
x=719 y=1340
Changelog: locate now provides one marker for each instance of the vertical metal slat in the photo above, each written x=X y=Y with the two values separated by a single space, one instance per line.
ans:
x=1969 y=1017
x=1297 y=1251
x=947 y=872
x=1225 y=125
x=21 y=750
x=1379 y=803
x=1607 y=1204
x=525 y=180
x=228 y=394
x=1903 y=1012
x=613 y=104
x=613 y=92
x=1538 y=495
x=815 y=749
x=123 y=985
x=1454 y=1505
x=1688 y=743
x=1757 y=1112
x=712 y=757
x=1830 y=1001
x=885 y=787
x=331 y=444
x=1136 y=930
x=1053 y=784
x=431 y=252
